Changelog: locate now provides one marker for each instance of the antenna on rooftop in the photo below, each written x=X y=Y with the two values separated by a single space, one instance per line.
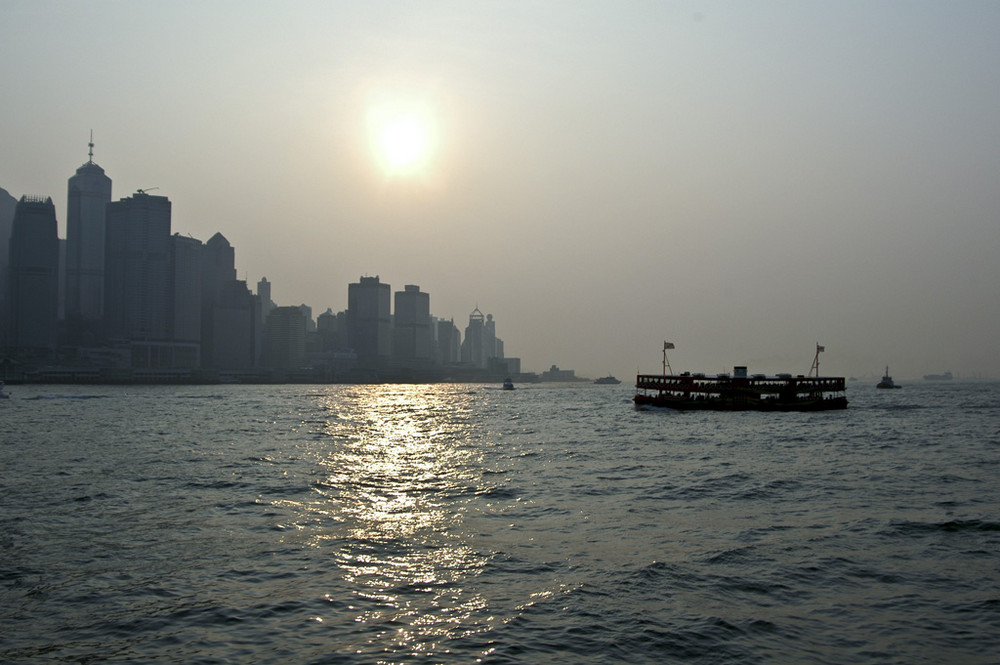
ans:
x=91 y=144
x=147 y=189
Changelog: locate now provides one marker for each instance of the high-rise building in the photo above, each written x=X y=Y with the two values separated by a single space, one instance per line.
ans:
x=489 y=339
x=138 y=278
x=233 y=329
x=411 y=333
x=33 y=284
x=229 y=319
x=264 y=297
x=285 y=338
x=307 y=312
x=87 y=200
x=473 y=348
x=7 y=205
x=186 y=295
x=449 y=343
x=368 y=322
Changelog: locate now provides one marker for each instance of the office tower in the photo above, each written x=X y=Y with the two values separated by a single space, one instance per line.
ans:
x=411 y=336
x=186 y=308
x=219 y=266
x=489 y=338
x=264 y=296
x=307 y=312
x=473 y=350
x=33 y=283
x=285 y=338
x=449 y=343
x=230 y=326
x=137 y=277
x=87 y=200
x=218 y=274
x=368 y=322
x=233 y=329
x=7 y=205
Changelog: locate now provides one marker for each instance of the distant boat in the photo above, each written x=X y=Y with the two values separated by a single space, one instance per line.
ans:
x=508 y=384
x=3 y=393
x=938 y=377
x=886 y=381
x=607 y=381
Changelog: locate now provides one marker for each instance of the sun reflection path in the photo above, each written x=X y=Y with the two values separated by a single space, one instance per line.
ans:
x=401 y=468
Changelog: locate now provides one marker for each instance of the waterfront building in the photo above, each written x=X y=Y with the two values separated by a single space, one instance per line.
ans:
x=231 y=321
x=7 y=205
x=89 y=193
x=139 y=281
x=285 y=338
x=232 y=329
x=411 y=335
x=219 y=267
x=186 y=301
x=368 y=322
x=332 y=329
x=473 y=344
x=449 y=342
x=33 y=279
x=556 y=374
x=264 y=297
x=307 y=312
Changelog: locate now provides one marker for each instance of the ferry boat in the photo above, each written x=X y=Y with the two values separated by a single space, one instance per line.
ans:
x=740 y=392
x=608 y=380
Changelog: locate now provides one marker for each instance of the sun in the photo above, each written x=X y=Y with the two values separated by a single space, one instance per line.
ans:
x=402 y=138
x=403 y=142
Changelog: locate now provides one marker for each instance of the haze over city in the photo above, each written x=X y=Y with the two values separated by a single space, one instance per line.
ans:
x=744 y=180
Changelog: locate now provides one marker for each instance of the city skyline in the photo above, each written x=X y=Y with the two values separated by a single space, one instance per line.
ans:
x=743 y=181
x=171 y=306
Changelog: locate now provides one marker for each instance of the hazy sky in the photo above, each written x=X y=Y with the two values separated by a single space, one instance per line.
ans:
x=744 y=179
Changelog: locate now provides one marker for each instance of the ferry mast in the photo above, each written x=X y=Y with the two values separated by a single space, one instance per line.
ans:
x=815 y=364
x=666 y=363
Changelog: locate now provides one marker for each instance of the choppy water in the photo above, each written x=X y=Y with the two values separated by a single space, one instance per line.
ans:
x=457 y=524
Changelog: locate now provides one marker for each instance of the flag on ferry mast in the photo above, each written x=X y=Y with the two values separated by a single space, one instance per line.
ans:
x=668 y=345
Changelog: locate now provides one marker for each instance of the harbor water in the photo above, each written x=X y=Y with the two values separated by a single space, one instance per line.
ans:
x=462 y=523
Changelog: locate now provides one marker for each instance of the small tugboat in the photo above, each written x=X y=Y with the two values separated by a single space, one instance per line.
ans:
x=607 y=381
x=739 y=392
x=508 y=384
x=886 y=381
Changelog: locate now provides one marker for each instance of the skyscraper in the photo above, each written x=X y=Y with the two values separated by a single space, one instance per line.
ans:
x=473 y=350
x=33 y=285
x=368 y=322
x=412 y=335
x=88 y=197
x=7 y=205
x=449 y=342
x=138 y=276
x=186 y=293
x=285 y=338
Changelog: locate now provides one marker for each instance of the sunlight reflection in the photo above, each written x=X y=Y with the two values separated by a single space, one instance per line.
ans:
x=399 y=477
